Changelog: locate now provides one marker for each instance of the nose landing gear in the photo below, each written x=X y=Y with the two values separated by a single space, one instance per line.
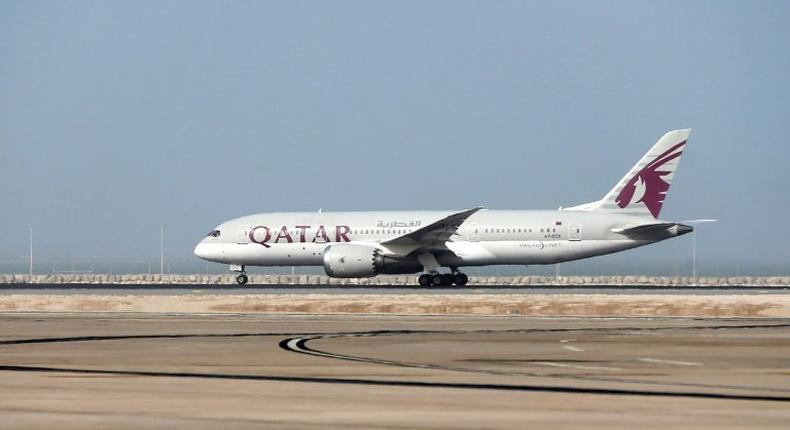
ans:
x=242 y=278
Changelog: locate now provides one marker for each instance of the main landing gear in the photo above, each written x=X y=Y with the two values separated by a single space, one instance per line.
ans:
x=443 y=279
x=436 y=279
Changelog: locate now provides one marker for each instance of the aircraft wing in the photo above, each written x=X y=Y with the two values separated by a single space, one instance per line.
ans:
x=432 y=236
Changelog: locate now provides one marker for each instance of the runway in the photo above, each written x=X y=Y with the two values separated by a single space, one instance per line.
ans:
x=243 y=371
x=171 y=289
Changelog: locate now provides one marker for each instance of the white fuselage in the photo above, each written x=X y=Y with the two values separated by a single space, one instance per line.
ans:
x=488 y=237
x=360 y=244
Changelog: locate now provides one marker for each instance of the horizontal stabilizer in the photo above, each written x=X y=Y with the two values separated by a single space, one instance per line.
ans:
x=654 y=229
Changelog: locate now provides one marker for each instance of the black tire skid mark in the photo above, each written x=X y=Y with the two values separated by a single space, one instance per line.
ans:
x=378 y=382
x=361 y=381
x=384 y=332
x=302 y=348
x=141 y=336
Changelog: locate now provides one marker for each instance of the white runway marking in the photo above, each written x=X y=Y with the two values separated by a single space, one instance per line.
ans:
x=573 y=366
x=679 y=363
x=572 y=348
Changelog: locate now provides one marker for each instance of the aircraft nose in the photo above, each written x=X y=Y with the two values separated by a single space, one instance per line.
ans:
x=201 y=250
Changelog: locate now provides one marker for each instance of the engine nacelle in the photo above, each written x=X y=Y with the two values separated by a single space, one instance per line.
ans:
x=346 y=260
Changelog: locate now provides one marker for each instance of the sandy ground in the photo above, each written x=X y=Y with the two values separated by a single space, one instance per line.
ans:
x=109 y=370
x=412 y=304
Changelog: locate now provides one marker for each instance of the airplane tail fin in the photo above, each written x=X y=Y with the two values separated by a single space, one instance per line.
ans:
x=644 y=188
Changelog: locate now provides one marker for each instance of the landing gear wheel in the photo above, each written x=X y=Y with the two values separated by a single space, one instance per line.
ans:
x=241 y=279
x=446 y=279
x=460 y=279
x=436 y=280
x=425 y=280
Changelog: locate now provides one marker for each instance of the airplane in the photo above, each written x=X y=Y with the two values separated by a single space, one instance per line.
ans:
x=366 y=244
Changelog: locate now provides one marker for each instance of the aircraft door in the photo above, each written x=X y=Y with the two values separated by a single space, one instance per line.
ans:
x=575 y=232
x=243 y=235
x=473 y=235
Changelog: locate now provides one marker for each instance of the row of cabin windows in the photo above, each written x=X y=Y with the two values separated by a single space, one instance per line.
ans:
x=519 y=230
x=404 y=231
x=379 y=231
x=487 y=230
x=357 y=231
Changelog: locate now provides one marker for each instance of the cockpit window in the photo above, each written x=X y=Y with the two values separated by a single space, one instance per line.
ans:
x=214 y=233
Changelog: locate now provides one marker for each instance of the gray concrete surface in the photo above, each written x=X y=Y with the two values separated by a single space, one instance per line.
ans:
x=284 y=371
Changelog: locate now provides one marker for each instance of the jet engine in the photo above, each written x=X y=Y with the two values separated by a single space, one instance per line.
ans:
x=345 y=260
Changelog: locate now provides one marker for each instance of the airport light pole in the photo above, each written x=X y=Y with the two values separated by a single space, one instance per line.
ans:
x=694 y=257
x=31 y=255
x=162 y=249
x=556 y=273
x=694 y=246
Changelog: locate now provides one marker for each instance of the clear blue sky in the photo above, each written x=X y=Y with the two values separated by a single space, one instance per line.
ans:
x=118 y=116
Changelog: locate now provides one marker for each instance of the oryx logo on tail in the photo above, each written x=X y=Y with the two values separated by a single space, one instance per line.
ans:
x=648 y=185
x=643 y=189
